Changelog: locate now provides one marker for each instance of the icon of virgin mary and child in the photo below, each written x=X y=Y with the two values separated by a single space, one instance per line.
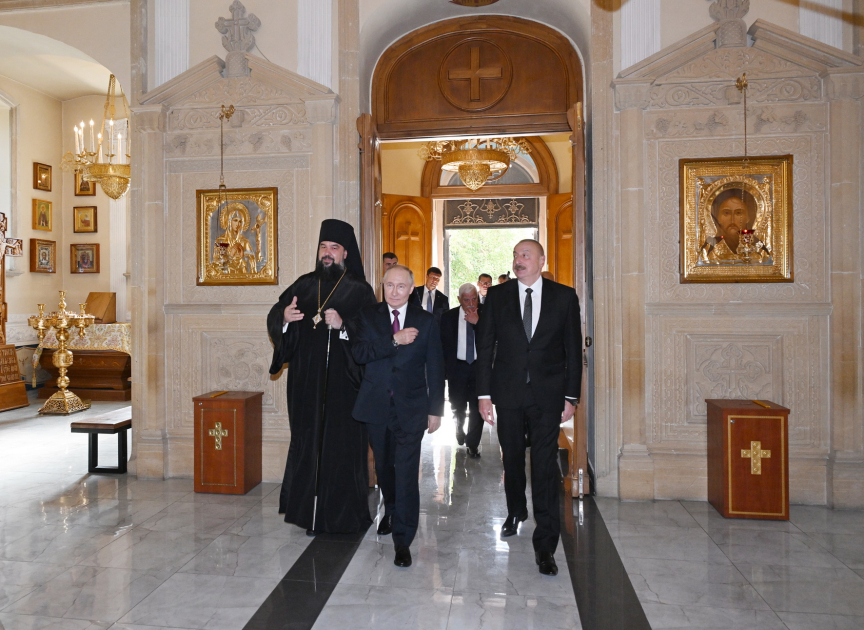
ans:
x=734 y=219
x=232 y=249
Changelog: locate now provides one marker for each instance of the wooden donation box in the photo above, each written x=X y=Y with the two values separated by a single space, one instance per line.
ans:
x=227 y=442
x=13 y=392
x=748 y=459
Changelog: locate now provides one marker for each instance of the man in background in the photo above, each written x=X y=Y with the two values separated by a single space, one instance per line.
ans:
x=460 y=352
x=389 y=259
x=484 y=281
x=428 y=297
x=503 y=278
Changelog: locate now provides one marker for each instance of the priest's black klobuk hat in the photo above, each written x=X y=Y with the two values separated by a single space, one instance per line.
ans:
x=337 y=231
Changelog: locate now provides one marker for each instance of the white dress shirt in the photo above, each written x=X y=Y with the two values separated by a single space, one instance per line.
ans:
x=461 y=337
x=536 y=294
x=402 y=310
x=424 y=303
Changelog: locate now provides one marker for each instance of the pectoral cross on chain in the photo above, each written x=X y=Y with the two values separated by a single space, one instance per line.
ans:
x=218 y=432
x=756 y=454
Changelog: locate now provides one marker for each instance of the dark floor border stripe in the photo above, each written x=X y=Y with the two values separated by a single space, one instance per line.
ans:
x=301 y=595
x=604 y=594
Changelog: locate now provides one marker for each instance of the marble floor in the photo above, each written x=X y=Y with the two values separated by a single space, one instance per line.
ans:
x=80 y=551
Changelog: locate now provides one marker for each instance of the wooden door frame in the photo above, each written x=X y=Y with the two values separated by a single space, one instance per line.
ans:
x=480 y=125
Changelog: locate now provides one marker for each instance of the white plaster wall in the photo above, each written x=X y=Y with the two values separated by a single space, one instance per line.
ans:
x=39 y=119
x=99 y=30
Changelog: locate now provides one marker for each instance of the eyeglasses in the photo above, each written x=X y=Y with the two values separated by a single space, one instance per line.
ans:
x=485 y=283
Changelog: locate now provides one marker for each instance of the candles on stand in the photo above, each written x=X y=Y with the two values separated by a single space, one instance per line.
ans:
x=100 y=147
x=77 y=148
x=92 y=144
x=120 y=159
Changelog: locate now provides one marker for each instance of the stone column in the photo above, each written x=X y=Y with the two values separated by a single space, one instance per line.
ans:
x=322 y=115
x=171 y=40
x=640 y=31
x=147 y=219
x=635 y=467
x=603 y=220
x=348 y=46
x=845 y=91
x=824 y=25
x=119 y=266
x=315 y=40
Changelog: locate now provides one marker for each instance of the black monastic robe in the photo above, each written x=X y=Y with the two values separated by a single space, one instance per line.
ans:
x=343 y=487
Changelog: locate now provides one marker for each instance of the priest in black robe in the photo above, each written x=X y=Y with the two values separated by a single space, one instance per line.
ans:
x=322 y=391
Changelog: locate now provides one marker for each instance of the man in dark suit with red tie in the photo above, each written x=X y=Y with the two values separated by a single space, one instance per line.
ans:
x=428 y=297
x=529 y=366
x=400 y=398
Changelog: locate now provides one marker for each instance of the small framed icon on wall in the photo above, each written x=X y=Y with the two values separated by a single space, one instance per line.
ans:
x=43 y=256
x=43 y=215
x=84 y=258
x=84 y=188
x=84 y=219
x=41 y=177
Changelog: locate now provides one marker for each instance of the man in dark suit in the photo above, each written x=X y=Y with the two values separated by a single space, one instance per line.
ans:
x=428 y=297
x=460 y=351
x=401 y=396
x=532 y=330
x=484 y=281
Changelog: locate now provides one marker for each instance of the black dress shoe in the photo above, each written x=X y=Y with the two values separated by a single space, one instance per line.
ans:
x=511 y=524
x=403 y=557
x=474 y=453
x=460 y=436
x=385 y=527
x=546 y=562
x=310 y=532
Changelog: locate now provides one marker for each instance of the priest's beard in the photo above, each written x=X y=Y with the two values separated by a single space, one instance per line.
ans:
x=329 y=274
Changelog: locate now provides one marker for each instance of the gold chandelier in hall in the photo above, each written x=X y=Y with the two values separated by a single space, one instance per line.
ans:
x=103 y=156
x=477 y=160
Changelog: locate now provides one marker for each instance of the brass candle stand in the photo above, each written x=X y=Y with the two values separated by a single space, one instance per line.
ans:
x=63 y=401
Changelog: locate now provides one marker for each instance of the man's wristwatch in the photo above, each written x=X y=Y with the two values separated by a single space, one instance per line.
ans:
x=572 y=401
x=395 y=343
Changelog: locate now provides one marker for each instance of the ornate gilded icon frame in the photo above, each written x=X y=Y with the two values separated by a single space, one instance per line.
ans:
x=241 y=254
x=761 y=186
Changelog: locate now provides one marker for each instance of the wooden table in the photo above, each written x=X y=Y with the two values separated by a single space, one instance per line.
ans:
x=102 y=363
x=748 y=459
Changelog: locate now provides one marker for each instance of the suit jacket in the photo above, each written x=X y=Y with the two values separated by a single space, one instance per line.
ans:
x=414 y=372
x=553 y=358
x=440 y=305
x=454 y=369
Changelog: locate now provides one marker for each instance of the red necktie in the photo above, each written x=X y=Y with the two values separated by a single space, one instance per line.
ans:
x=396 y=327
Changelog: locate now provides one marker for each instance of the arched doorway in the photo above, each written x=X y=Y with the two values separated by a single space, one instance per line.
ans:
x=485 y=76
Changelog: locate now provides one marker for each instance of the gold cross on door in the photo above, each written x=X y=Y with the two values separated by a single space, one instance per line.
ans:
x=756 y=454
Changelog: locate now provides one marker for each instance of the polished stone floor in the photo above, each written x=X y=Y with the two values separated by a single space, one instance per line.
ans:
x=81 y=551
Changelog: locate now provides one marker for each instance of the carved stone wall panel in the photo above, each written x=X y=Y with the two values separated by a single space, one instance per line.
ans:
x=223 y=352
x=809 y=220
x=716 y=122
x=246 y=142
x=181 y=119
x=778 y=358
x=241 y=91
x=791 y=89
x=728 y=64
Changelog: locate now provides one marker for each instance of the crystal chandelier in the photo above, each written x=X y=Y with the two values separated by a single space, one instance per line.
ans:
x=477 y=160
x=105 y=156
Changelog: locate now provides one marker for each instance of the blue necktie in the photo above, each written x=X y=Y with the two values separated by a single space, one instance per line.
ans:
x=469 y=343
x=430 y=302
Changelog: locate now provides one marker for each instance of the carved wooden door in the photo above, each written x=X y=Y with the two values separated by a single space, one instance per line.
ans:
x=407 y=231
x=559 y=236
x=567 y=255
x=370 y=199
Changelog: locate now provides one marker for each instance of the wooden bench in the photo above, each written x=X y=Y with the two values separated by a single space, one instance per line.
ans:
x=118 y=422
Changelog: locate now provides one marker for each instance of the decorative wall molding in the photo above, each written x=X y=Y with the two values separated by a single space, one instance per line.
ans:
x=171 y=39
x=14 y=5
x=824 y=25
x=845 y=86
x=640 y=30
x=729 y=121
x=315 y=40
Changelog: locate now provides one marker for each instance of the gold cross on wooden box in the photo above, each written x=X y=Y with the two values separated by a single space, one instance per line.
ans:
x=755 y=453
